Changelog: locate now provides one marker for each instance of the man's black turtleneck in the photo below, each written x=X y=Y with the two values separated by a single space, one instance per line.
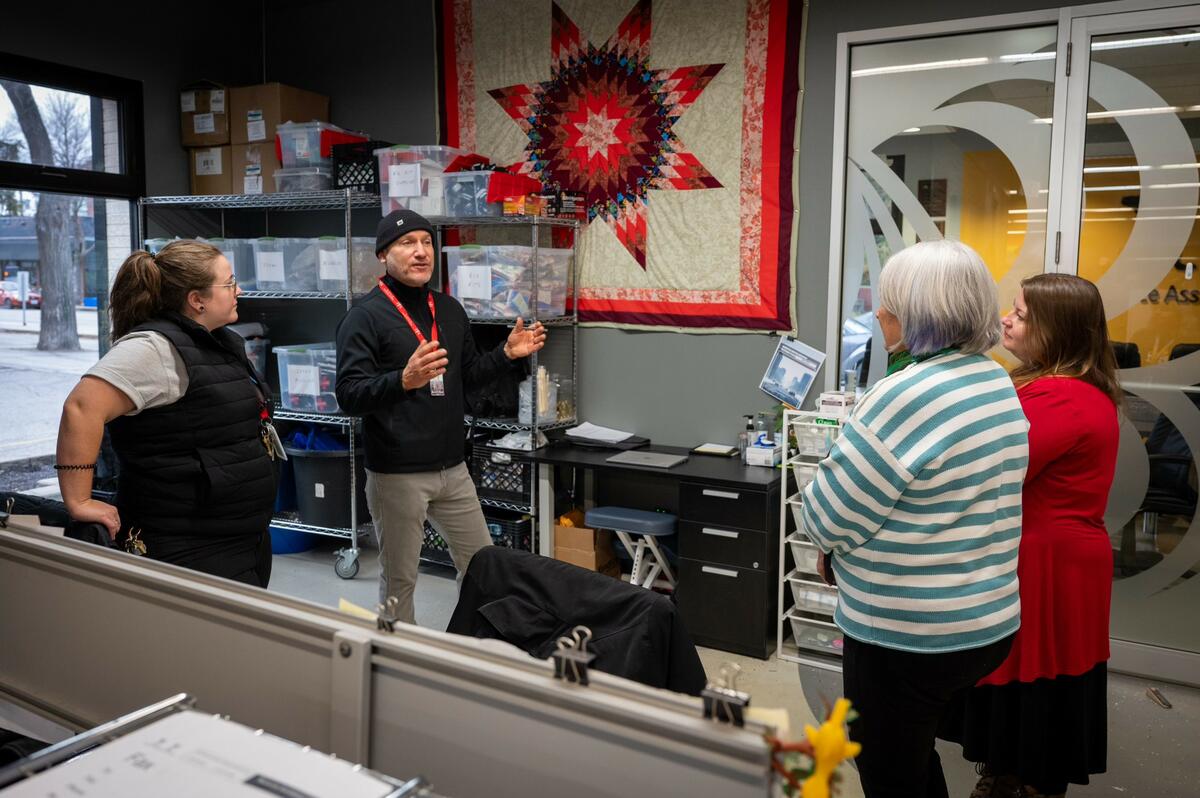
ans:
x=408 y=431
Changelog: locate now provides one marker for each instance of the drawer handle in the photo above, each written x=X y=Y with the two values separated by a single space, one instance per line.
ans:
x=720 y=533
x=708 y=569
x=721 y=494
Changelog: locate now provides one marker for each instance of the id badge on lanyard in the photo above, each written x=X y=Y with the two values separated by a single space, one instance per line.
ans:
x=437 y=385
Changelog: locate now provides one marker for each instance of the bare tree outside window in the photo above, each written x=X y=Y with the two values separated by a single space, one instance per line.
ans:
x=55 y=135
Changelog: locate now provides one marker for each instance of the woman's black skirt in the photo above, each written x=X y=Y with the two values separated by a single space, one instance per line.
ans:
x=1047 y=733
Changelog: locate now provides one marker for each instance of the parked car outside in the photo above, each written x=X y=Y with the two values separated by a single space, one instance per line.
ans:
x=10 y=296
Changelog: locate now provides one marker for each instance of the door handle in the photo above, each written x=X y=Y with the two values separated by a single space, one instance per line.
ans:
x=720 y=533
x=708 y=569
x=721 y=494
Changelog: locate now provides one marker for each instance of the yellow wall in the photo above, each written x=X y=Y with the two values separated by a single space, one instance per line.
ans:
x=986 y=223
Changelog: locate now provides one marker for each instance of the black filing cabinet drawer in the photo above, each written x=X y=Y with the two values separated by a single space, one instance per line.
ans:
x=723 y=607
x=742 y=509
x=727 y=545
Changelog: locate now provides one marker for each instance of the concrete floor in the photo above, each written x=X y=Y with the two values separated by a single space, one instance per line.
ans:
x=1153 y=752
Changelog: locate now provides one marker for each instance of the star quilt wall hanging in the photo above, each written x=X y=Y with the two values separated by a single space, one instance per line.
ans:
x=674 y=119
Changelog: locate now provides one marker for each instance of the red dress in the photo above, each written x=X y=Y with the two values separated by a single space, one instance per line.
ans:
x=1065 y=563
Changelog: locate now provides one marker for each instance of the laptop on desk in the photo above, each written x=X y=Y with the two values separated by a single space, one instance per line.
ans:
x=650 y=459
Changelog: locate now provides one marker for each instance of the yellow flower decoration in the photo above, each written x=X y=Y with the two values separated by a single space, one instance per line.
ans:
x=830 y=747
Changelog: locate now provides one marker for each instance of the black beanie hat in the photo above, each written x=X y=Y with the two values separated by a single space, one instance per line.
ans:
x=396 y=224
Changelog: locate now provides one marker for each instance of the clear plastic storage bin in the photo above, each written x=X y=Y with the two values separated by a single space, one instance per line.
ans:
x=812 y=596
x=331 y=264
x=305 y=178
x=153 y=245
x=300 y=143
x=300 y=264
x=816 y=635
x=466 y=194
x=804 y=552
x=411 y=176
x=367 y=268
x=240 y=254
x=497 y=281
x=307 y=374
x=548 y=410
x=268 y=264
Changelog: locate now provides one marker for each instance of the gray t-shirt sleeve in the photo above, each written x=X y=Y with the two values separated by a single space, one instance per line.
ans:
x=145 y=367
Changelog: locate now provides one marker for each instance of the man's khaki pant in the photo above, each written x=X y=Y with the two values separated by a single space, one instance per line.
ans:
x=399 y=504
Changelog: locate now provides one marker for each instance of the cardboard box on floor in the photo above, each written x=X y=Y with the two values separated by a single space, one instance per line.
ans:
x=254 y=168
x=211 y=170
x=255 y=111
x=588 y=548
x=203 y=115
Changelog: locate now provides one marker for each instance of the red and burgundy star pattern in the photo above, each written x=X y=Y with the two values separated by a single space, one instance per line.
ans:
x=603 y=125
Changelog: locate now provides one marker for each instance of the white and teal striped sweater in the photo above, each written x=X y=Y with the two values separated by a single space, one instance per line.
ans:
x=920 y=503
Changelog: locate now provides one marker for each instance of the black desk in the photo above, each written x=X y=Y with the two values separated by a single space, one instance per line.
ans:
x=728 y=567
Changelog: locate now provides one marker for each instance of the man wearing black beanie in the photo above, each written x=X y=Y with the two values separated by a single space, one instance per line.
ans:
x=405 y=355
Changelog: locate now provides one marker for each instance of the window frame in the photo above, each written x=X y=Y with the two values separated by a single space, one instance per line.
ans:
x=130 y=184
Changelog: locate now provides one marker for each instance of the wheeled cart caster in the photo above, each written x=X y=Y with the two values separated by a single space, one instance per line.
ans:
x=346 y=564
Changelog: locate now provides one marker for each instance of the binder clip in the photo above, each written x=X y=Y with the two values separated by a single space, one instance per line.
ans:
x=571 y=657
x=723 y=703
x=385 y=615
x=6 y=512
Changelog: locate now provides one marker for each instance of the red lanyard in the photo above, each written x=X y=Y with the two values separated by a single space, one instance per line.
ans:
x=432 y=313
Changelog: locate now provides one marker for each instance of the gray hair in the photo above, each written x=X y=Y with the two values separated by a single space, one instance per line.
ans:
x=943 y=295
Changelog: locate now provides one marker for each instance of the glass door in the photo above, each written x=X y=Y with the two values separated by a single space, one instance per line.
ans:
x=946 y=136
x=1131 y=224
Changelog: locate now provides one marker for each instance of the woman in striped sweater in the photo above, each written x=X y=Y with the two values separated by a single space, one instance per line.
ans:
x=918 y=512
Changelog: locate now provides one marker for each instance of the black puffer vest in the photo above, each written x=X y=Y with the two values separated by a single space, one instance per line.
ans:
x=197 y=467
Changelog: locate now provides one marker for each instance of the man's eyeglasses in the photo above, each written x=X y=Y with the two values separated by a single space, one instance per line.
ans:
x=231 y=284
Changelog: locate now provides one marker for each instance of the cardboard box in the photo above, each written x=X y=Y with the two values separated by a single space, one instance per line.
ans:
x=211 y=170
x=254 y=166
x=204 y=115
x=837 y=404
x=592 y=561
x=588 y=548
x=582 y=538
x=764 y=455
x=255 y=111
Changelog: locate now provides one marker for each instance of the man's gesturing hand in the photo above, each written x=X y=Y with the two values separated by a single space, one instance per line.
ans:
x=427 y=362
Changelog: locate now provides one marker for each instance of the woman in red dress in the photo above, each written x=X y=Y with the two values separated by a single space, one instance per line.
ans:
x=1039 y=721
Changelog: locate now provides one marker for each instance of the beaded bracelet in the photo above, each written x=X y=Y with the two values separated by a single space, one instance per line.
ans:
x=88 y=467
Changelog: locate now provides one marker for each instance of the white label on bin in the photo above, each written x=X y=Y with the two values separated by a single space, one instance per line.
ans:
x=256 y=128
x=302 y=148
x=216 y=101
x=302 y=380
x=269 y=269
x=332 y=264
x=208 y=162
x=187 y=101
x=404 y=180
x=319 y=490
x=252 y=184
x=475 y=282
x=203 y=123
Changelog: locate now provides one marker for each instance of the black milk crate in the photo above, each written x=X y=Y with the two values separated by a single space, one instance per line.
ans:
x=510 y=530
x=355 y=165
x=434 y=548
x=501 y=475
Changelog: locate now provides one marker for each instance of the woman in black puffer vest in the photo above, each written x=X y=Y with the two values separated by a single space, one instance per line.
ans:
x=186 y=413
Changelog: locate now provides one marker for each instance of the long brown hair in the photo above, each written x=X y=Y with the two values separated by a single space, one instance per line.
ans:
x=1066 y=334
x=147 y=285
